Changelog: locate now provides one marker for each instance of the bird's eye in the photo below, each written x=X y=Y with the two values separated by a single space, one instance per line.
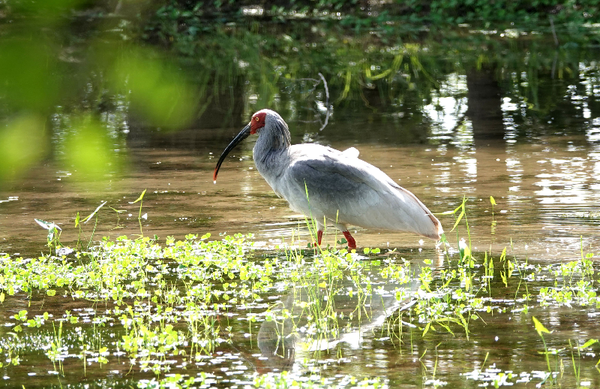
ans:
x=256 y=118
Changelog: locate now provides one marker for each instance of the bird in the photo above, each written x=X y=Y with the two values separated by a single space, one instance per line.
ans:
x=331 y=186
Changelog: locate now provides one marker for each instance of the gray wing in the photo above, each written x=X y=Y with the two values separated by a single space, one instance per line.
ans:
x=348 y=190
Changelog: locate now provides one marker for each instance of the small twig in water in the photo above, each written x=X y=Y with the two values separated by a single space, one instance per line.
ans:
x=553 y=31
x=326 y=87
x=326 y=102
x=554 y=64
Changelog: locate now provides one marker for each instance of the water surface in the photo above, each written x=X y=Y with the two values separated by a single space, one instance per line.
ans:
x=526 y=133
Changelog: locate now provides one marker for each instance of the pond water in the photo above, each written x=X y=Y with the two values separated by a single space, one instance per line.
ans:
x=530 y=140
x=546 y=186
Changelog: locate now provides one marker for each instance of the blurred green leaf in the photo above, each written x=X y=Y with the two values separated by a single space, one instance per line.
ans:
x=26 y=74
x=88 y=151
x=157 y=90
x=23 y=142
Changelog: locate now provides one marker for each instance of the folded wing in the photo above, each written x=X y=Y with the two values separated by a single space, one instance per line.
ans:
x=323 y=182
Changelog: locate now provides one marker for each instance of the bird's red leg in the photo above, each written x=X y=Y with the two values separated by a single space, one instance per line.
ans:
x=350 y=239
x=319 y=237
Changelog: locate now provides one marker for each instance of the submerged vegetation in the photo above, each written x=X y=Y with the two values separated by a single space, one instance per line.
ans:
x=150 y=313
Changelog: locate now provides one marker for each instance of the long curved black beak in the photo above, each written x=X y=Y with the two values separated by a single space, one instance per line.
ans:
x=238 y=138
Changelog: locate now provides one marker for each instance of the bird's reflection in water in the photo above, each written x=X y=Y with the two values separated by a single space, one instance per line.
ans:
x=277 y=338
x=310 y=319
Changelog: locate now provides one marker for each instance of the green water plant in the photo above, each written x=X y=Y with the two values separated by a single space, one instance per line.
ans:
x=171 y=307
x=54 y=232
x=140 y=200
x=78 y=223
x=55 y=350
x=541 y=330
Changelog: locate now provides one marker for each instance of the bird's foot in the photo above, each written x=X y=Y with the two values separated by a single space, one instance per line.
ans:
x=319 y=239
x=350 y=239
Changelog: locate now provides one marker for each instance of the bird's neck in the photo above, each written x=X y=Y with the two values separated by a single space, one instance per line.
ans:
x=271 y=150
x=274 y=138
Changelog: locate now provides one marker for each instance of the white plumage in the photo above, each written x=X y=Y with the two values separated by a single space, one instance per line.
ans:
x=327 y=184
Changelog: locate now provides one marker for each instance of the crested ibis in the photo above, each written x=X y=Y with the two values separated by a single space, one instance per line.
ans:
x=330 y=185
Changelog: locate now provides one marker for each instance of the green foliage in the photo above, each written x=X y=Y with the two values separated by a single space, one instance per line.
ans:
x=43 y=70
x=23 y=142
x=361 y=14
x=158 y=90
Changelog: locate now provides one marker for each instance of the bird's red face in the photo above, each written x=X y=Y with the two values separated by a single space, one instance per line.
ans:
x=257 y=122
